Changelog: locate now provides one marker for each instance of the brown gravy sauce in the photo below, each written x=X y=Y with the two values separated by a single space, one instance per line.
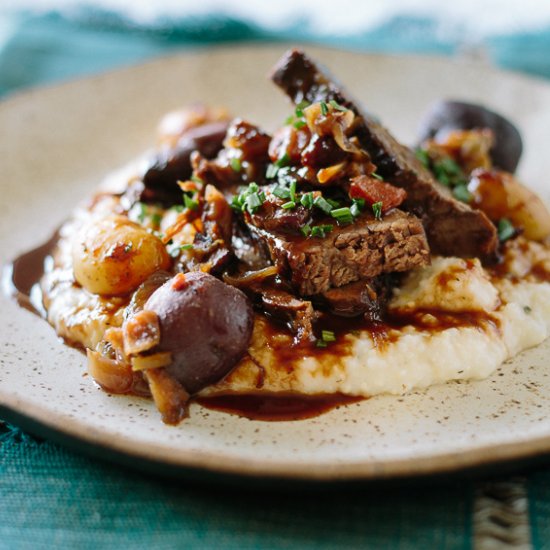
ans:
x=21 y=278
x=273 y=408
x=21 y=281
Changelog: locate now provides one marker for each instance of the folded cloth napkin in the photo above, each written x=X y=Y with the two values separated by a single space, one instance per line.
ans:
x=53 y=498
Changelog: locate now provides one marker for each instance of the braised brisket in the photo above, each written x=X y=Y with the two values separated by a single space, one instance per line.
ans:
x=362 y=250
x=452 y=227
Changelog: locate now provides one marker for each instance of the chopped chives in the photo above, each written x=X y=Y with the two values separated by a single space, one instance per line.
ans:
x=321 y=344
x=299 y=124
x=271 y=171
x=235 y=164
x=300 y=108
x=335 y=105
x=377 y=176
x=186 y=246
x=505 y=229
x=189 y=202
x=322 y=204
x=250 y=198
x=306 y=230
x=281 y=192
x=377 y=210
x=321 y=230
x=156 y=218
x=142 y=212
x=292 y=190
x=461 y=193
x=307 y=200
x=355 y=210
x=324 y=108
x=342 y=215
x=252 y=202
x=328 y=336
x=288 y=205
x=423 y=157
x=283 y=161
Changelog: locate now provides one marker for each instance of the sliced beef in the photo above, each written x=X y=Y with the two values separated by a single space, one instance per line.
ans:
x=453 y=228
x=249 y=250
x=297 y=314
x=350 y=253
x=274 y=297
x=365 y=298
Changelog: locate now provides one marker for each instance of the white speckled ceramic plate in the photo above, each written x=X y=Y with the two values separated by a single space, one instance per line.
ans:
x=57 y=144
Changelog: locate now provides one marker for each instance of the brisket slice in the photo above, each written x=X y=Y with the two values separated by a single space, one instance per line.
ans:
x=453 y=228
x=297 y=314
x=347 y=254
x=367 y=298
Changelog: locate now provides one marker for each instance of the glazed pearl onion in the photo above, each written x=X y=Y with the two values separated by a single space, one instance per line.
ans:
x=113 y=256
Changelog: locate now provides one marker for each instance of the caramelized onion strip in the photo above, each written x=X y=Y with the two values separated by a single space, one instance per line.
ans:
x=251 y=277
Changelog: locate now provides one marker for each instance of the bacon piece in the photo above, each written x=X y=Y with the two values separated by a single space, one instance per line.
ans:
x=374 y=190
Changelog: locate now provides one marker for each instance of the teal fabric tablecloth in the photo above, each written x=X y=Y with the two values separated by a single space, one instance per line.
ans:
x=51 y=497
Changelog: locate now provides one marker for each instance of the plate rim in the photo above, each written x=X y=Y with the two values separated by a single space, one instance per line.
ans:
x=39 y=420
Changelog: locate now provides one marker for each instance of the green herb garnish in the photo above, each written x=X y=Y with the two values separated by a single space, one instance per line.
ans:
x=448 y=172
x=321 y=230
x=299 y=124
x=253 y=202
x=324 y=108
x=186 y=246
x=300 y=108
x=335 y=105
x=461 y=193
x=189 y=202
x=306 y=230
x=288 y=205
x=377 y=176
x=423 y=157
x=327 y=336
x=357 y=206
x=281 y=192
x=307 y=200
x=342 y=215
x=156 y=218
x=377 y=210
x=142 y=212
x=505 y=229
x=249 y=199
x=322 y=204
x=235 y=164
x=292 y=190
x=283 y=161
x=271 y=171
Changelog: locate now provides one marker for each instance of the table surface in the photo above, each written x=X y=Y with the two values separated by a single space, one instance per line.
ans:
x=54 y=498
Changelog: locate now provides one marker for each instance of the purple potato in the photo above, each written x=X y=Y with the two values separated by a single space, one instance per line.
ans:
x=456 y=115
x=205 y=324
